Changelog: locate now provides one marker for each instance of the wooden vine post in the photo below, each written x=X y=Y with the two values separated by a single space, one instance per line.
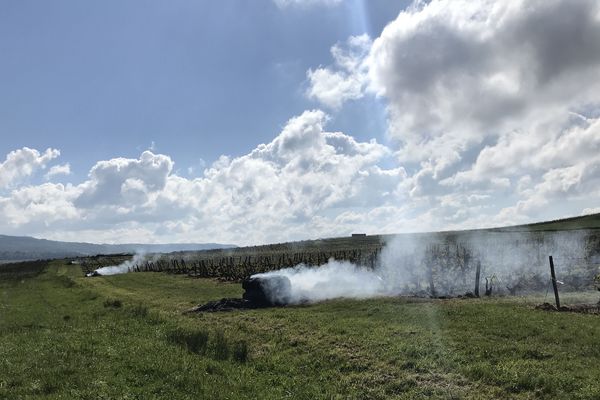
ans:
x=477 y=278
x=554 y=283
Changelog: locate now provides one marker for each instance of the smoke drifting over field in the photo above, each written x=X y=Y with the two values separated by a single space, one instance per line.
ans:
x=124 y=267
x=332 y=280
x=446 y=264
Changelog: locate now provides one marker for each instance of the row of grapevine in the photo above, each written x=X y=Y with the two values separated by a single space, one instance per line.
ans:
x=239 y=267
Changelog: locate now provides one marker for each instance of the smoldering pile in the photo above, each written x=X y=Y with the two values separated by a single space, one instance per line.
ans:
x=259 y=292
x=123 y=268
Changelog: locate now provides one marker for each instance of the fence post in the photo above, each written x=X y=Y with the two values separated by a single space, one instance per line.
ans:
x=477 y=278
x=431 y=284
x=554 y=285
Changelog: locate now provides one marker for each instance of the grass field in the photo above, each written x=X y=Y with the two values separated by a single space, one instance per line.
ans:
x=125 y=337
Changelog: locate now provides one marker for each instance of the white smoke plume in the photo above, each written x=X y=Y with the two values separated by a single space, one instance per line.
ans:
x=124 y=267
x=445 y=265
x=332 y=280
x=338 y=279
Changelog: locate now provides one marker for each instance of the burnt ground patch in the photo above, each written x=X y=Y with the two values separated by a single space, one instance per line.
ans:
x=260 y=292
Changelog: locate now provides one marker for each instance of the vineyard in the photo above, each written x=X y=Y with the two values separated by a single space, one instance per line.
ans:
x=21 y=270
x=237 y=264
x=439 y=263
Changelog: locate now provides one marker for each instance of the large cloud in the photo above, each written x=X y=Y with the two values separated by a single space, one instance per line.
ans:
x=296 y=186
x=36 y=208
x=122 y=181
x=281 y=187
x=485 y=98
x=479 y=68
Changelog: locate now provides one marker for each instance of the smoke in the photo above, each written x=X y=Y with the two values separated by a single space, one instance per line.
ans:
x=445 y=264
x=337 y=279
x=124 y=267
x=329 y=281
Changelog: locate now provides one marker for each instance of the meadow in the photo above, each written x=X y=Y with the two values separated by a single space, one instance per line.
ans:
x=127 y=337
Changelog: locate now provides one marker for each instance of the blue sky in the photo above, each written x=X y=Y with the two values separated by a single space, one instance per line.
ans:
x=264 y=121
x=199 y=79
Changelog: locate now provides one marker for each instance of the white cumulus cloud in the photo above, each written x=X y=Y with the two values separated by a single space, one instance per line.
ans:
x=346 y=80
x=22 y=163
x=63 y=169
x=295 y=186
x=484 y=98
x=116 y=181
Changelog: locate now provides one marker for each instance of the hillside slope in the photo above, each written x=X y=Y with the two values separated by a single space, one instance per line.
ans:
x=26 y=248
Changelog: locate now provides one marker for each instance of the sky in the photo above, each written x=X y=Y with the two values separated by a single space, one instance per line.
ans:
x=274 y=120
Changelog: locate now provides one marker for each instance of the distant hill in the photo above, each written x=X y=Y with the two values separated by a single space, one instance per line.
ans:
x=591 y=221
x=585 y=222
x=358 y=241
x=15 y=248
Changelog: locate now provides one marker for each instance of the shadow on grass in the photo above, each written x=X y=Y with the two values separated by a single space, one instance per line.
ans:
x=112 y=303
x=215 y=346
x=198 y=341
x=142 y=312
x=137 y=311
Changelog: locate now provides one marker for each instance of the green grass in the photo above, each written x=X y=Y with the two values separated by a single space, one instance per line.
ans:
x=125 y=337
